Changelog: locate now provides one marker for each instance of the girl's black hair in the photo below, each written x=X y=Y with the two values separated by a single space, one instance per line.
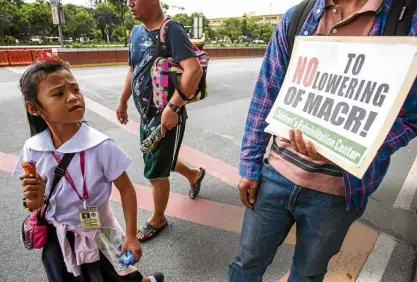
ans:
x=29 y=83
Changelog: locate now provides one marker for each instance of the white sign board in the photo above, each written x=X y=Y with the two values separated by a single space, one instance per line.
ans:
x=55 y=15
x=345 y=93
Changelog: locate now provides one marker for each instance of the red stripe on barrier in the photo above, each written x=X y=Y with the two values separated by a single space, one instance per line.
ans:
x=20 y=57
x=4 y=58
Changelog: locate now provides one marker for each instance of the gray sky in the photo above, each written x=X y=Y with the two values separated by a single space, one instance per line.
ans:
x=223 y=8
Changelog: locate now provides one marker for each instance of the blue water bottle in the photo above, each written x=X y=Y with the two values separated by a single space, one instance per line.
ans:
x=127 y=258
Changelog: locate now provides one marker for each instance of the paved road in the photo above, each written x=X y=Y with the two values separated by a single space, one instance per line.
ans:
x=203 y=234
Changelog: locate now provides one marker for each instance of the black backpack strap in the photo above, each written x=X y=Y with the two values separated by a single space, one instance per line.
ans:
x=399 y=17
x=297 y=21
x=161 y=47
x=58 y=174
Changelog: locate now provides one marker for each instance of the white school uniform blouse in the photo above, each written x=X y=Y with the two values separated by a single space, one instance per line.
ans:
x=104 y=162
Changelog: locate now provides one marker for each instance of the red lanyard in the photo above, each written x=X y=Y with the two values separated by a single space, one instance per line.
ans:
x=69 y=178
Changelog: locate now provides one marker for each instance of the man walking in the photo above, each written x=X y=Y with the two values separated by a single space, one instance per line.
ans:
x=295 y=184
x=161 y=160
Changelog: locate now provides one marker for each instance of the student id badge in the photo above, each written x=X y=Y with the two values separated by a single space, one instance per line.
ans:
x=89 y=216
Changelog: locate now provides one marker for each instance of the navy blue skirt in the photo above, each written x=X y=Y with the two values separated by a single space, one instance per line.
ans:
x=100 y=271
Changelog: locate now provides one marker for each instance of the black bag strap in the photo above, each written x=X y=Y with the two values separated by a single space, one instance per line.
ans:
x=297 y=21
x=173 y=77
x=58 y=174
x=399 y=17
x=162 y=49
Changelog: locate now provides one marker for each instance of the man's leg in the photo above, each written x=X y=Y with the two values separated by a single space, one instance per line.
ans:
x=158 y=163
x=322 y=224
x=264 y=228
x=192 y=174
x=160 y=193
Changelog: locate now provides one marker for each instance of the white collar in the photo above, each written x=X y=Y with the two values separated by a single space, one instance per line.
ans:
x=85 y=138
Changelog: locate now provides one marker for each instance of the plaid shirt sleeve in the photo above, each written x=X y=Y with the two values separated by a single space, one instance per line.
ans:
x=270 y=79
x=404 y=128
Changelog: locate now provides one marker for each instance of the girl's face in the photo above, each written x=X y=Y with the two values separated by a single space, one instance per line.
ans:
x=60 y=99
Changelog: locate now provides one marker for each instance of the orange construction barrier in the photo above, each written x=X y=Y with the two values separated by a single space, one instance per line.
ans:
x=4 y=59
x=39 y=54
x=20 y=57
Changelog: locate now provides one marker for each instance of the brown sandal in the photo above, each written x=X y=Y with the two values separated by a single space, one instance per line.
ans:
x=195 y=188
x=149 y=231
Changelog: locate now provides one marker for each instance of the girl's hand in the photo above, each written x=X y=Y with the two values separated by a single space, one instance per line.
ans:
x=33 y=190
x=132 y=244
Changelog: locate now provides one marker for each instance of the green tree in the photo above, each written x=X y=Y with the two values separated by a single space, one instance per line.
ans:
x=184 y=19
x=231 y=28
x=119 y=33
x=82 y=24
x=7 y=13
x=106 y=17
x=265 y=31
x=13 y=21
x=120 y=7
x=70 y=12
x=16 y=2
x=97 y=35
x=21 y=26
x=39 y=17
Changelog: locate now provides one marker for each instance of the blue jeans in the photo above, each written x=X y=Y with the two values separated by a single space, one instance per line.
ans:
x=321 y=220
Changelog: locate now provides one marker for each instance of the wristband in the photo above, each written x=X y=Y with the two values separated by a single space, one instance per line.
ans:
x=175 y=108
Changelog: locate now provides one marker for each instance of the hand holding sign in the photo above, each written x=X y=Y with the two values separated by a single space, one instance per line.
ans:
x=306 y=148
x=343 y=94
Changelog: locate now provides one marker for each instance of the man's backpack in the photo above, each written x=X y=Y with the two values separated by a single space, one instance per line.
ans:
x=398 y=21
x=165 y=72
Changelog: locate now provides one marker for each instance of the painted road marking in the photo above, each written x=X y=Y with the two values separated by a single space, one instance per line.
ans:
x=344 y=267
x=408 y=190
x=378 y=260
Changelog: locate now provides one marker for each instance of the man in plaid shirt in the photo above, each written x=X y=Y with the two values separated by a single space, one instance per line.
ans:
x=295 y=184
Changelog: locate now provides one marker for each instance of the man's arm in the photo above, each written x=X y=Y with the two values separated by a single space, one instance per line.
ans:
x=183 y=54
x=121 y=112
x=189 y=80
x=255 y=139
x=127 y=86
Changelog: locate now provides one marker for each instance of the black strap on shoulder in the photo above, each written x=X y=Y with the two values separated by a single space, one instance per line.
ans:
x=58 y=174
x=399 y=17
x=297 y=21
x=162 y=48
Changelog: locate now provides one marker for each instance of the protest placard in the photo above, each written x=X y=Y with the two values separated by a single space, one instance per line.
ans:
x=345 y=93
